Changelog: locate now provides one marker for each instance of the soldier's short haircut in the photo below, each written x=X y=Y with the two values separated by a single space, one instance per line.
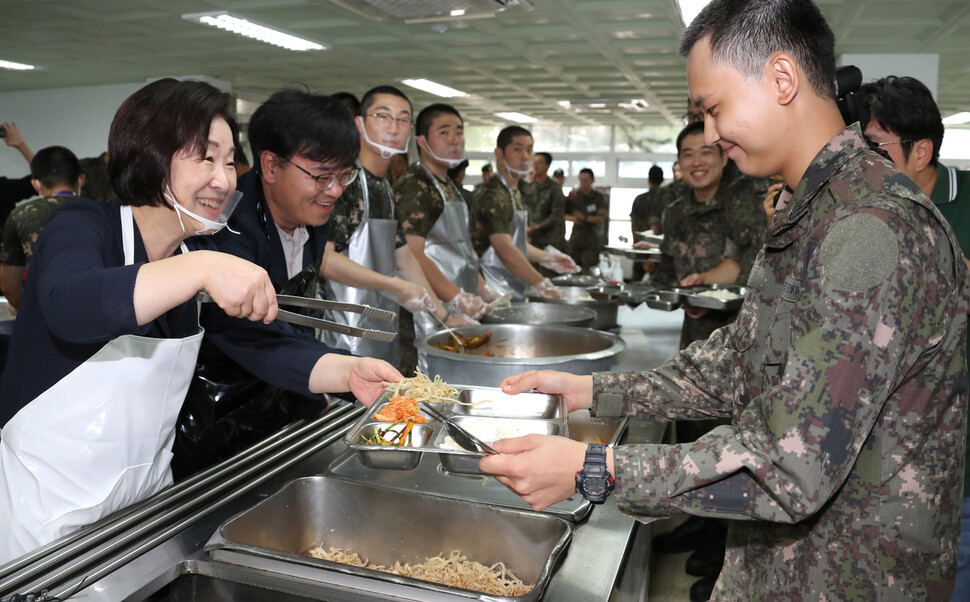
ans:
x=746 y=33
x=294 y=122
x=428 y=114
x=905 y=107
x=546 y=156
x=55 y=166
x=587 y=170
x=690 y=129
x=155 y=123
x=509 y=133
x=368 y=100
x=655 y=174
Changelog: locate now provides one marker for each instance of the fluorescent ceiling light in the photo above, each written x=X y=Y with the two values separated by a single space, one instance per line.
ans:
x=957 y=118
x=15 y=66
x=249 y=29
x=517 y=117
x=434 y=88
x=457 y=12
x=690 y=8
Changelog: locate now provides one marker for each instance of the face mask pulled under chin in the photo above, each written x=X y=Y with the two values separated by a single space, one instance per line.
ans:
x=449 y=162
x=211 y=226
x=386 y=151
x=522 y=173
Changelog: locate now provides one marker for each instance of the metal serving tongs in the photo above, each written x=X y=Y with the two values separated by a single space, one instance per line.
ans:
x=294 y=318
x=462 y=437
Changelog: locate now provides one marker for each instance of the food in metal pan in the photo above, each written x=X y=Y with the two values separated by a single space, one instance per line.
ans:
x=400 y=409
x=398 y=434
x=719 y=294
x=493 y=430
x=421 y=388
x=467 y=342
x=455 y=571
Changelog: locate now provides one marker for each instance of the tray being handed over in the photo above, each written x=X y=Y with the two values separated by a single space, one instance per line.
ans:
x=486 y=412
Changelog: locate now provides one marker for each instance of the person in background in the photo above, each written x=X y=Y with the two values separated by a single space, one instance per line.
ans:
x=434 y=215
x=844 y=375
x=398 y=165
x=253 y=379
x=56 y=176
x=97 y=182
x=349 y=100
x=559 y=177
x=108 y=330
x=587 y=209
x=242 y=163
x=645 y=215
x=486 y=174
x=457 y=175
x=901 y=118
x=500 y=221
x=547 y=210
x=364 y=228
x=16 y=189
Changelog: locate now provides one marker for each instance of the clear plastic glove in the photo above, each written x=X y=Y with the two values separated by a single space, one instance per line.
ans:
x=503 y=301
x=559 y=262
x=548 y=290
x=468 y=304
x=413 y=297
x=456 y=320
x=486 y=292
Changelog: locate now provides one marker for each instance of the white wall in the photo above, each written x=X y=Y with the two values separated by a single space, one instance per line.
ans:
x=77 y=118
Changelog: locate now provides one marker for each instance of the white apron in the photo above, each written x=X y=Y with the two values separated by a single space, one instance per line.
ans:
x=449 y=242
x=372 y=246
x=496 y=274
x=98 y=440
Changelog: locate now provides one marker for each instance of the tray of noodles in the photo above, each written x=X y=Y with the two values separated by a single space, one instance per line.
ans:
x=394 y=433
x=403 y=545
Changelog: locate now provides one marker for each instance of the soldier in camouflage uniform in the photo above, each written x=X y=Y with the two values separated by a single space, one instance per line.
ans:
x=587 y=209
x=844 y=375
x=547 y=207
x=500 y=224
x=420 y=197
x=56 y=175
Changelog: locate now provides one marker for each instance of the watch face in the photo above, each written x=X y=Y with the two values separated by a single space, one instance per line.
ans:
x=594 y=485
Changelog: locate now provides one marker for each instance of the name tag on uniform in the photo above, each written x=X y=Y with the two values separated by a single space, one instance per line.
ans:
x=591 y=208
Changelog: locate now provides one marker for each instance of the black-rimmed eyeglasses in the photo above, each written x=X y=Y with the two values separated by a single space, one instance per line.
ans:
x=326 y=181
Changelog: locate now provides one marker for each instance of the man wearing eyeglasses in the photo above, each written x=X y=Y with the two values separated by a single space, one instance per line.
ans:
x=304 y=149
x=901 y=118
x=365 y=229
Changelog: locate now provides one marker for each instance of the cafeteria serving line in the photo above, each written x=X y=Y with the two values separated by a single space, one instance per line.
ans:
x=180 y=544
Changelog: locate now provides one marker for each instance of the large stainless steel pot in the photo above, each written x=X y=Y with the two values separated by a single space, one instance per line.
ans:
x=518 y=348
x=604 y=305
x=542 y=313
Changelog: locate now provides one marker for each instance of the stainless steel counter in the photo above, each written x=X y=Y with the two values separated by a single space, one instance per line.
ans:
x=607 y=559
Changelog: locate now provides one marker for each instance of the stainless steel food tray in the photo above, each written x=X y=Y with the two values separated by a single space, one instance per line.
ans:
x=691 y=296
x=526 y=413
x=638 y=254
x=385 y=526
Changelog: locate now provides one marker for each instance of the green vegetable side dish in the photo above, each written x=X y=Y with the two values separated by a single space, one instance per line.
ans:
x=400 y=438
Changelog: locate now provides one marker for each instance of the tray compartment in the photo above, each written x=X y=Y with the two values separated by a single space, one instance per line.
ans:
x=494 y=402
x=465 y=462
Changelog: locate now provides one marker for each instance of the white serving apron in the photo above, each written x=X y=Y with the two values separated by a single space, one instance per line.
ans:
x=372 y=246
x=98 y=440
x=496 y=274
x=449 y=242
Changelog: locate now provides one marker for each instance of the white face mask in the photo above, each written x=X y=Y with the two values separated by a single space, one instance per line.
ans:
x=522 y=173
x=449 y=162
x=211 y=227
x=386 y=151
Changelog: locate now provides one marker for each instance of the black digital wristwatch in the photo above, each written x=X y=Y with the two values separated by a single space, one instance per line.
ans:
x=594 y=481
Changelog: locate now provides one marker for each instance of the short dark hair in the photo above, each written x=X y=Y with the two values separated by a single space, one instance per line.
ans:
x=510 y=133
x=487 y=168
x=293 y=122
x=905 y=107
x=546 y=156
x=349 y=100
x=55 y=166
x=655 y=174
x=587 y=170
x=152 y=125
x=428 y=114
x=559 y=172
x=745 y=33
x=367 y=101
x=690 y=129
